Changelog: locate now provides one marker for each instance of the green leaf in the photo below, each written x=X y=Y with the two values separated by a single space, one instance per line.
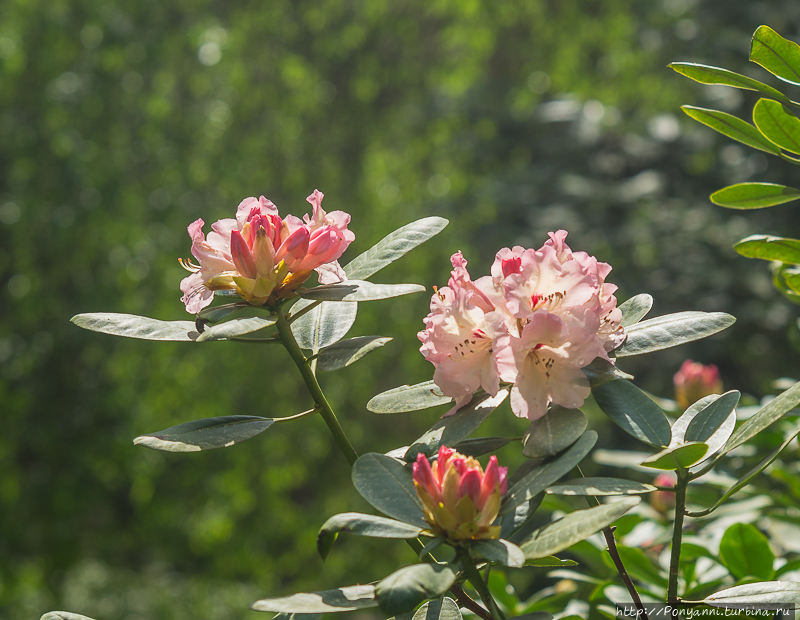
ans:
x=754 y=195
x=763 y=593
x=555 y=431
x=362 y=525
x=479 y=446
x=500 y=552
x=452 y=429
x=393 y=246
x=141 y=327
x=705 y=424
x=349 y=598
x=640 y=566
x=745 y=552
x=406 y=588
x=387 y=485
x=63 y=615
x=347 y=352
x=326 y=324
x=635 y=309
x=634 y=412
x=777 y=55
x=706 y=74
x=517 y=525
x=601 y=371
x=732 y=127
x=770 y=248
x=779 y=126
x=360 y=290
x=285 y=616
x=206 y=434
x=235 y=327
x=550 y=561
x=679 y=457
x=765 y=416
x=444 y=609
x=672 y=330
x=600 y=486
x=214 y=314
x=691 y=552
x=408 y=398
x=574 y=527
x=542 y=476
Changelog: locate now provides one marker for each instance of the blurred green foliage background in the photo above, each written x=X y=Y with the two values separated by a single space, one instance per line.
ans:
x=122 y=122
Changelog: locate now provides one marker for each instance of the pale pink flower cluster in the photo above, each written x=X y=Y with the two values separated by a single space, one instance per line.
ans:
x=534 y=323
x=262 y=257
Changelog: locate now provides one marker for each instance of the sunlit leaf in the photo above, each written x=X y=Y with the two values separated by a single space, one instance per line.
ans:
x=679 y=457
x=408 y=398
x=555 y=431
x=634 y=412
x=746 y=553
x=635 y=309
x=214 y=314
x=346 y=352
x=63 y=615
x=777 y=55
x=672 y=330
x=732 y=127
x=550 y=561
x=706 y=74
x=500 y=552
x=600 y=486
x=360 y=290
x=349 y=598
x=234 y=328
x=754 y=195
x=779 y=126
x=141 y=327
x=444 y=609
x=767 y=247
x=765 y=416
x=387 y=485
x=761 y=593
x=324 y=325
x=601 y=371
x=206 y=434
x=713 y=410
x=406 y=588
x=362 y=525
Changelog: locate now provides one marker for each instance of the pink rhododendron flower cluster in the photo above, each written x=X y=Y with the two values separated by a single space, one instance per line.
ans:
x=534 y=323
x=695 y=381
x=262 y=257
x=460 y=500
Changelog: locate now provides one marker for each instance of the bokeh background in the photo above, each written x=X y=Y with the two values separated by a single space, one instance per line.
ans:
x=122 y=122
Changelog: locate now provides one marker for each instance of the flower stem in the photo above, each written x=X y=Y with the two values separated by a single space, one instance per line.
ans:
x=677 y=536
x=325 y=410
x=481 y=587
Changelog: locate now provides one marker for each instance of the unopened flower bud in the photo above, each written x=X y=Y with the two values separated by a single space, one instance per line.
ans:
x=695 y=381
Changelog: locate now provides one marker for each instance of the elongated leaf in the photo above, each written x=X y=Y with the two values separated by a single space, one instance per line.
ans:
x=745 y=552
x=214 y=314
x=708 y=410
x=762 y=593
x=444 y=609
x=733 y=127
x=640 y=566
x=393 y=246
x=517 y=525
x=285 y=616
x=772 y=411
x=634 y=412
x=601 y=371
x=349 y=598
x=574 y=527
x=543 y=476
x=478 y=446
x=556 y=430
x=346 y=352
x=63 y=615
x=326 y=324
x=635 y=309
x=550 y=561
x=406 y=588
x=600 y=486
x=754 y=195
x=777 y=124
x=386 y=484
x=455 y=428
x=408 y=398
x=711 y=418
x=672 y=330
x=770 y=248
x=706 y=74
x=206 y=434
x=777 y=55
x=362 y=525
x=500 y=552
x=235 y=327
x=141 y=327
x=679 y=457
x=360 y=290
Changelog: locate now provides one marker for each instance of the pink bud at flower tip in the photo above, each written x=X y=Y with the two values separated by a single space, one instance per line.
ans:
x=695 y=381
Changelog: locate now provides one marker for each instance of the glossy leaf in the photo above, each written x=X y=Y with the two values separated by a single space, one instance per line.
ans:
x=206 y=434
x=705 y=424
x=767 y=247
x=324 y=325
x=574 y=527
x=679 y=457
x=765 y=416
x=600 y=486
x=408 y=398
x=214 y=314
x=500 y=552
x=234 y=328
x=349 y=598
x=555 y=431
x=455 y=428
x=777 y=55
x=387 y=485
x=778 y=126
x=634 y=412
x=346 y=352
x=406 y=588
x=362 y=525
x=443 y=609
x=393 y=246
x=672 y=330
x=745 y=552
x=542 y=476
x=732 y=127
x=141 y=327
x=550 y=561
x=706 y=74
x=517 y=525
x=360 y=290
x=63 y=615
x=601 y=371
x=478 y=446
x=762 y=593
x=635 y=309
x=754 y=195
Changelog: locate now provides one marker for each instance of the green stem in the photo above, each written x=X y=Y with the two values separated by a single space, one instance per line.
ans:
x=677 y=536
x=325 y=410
x=480 y=586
